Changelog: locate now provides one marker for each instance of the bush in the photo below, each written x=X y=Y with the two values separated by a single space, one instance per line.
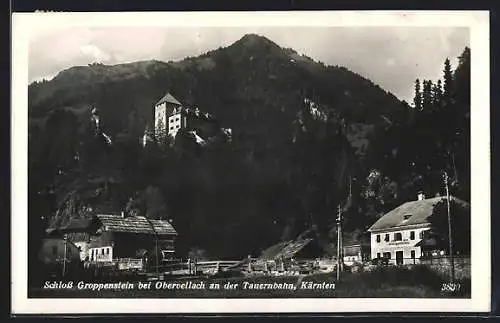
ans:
x=394 y=276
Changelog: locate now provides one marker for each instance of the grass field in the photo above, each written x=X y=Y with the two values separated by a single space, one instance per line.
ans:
x=418 y=282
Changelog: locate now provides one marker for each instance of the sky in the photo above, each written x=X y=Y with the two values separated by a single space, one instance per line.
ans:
x=392 y=57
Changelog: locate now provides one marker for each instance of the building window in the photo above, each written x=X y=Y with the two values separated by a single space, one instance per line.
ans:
x=378 y=254
x=387 y=255
x=386 y=237
x=107 y=251
x=378 y=237
x=54 y=250
x=398 y=236
x=412 y=235
x=102 y=251
x=412 y=254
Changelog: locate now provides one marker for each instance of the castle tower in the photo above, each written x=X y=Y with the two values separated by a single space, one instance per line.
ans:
x=167 y=116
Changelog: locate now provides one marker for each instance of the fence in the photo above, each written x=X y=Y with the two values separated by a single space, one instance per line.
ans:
x=287 y=266
x=194 y=268
x=442 y=265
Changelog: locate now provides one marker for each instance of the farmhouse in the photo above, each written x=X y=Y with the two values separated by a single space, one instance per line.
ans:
x=107 y=237
x=402 y=235
x=78 y=232
x=52 y=251
x=120 y=236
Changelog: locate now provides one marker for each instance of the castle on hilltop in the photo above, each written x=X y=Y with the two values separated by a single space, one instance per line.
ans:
x=172 y=117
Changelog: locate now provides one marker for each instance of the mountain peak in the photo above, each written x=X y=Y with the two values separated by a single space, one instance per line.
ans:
x=251 y=40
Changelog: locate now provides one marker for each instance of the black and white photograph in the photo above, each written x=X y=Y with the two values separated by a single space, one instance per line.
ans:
x=215 y=159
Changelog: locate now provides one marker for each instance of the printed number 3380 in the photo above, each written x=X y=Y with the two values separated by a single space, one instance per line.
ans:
x=450 y=287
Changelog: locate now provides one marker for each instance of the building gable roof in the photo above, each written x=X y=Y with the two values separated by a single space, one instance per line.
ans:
x=416 y=213
x=285 y=250
x=169 y=99
x=135 y=224
x=74 y=225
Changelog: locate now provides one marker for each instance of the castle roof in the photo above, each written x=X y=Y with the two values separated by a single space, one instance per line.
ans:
x=169 y=99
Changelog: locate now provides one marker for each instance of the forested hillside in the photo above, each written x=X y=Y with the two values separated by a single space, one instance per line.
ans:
x=305 y=137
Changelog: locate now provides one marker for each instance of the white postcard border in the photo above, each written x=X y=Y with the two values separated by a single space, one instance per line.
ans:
x=23 y=24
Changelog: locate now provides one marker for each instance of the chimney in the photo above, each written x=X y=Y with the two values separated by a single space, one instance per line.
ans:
x=421 y=196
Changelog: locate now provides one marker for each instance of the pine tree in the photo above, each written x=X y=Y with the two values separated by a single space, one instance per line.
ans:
x=417 y=100
x=461 y=80
x=437 y=94
x=427 y=95
x=161 y=133
x=448 y=83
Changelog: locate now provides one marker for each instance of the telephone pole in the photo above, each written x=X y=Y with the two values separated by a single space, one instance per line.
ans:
x=339 y=242
x=65 y=251
x=450 y=236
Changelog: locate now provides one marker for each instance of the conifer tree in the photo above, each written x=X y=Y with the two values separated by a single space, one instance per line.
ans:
x=417 y=99
x=427 y=95
x=437 y=94
x=461 y=80
x=161 y=133
x=448 y=83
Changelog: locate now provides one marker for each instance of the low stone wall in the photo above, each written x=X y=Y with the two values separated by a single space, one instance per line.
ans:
x=442 y=266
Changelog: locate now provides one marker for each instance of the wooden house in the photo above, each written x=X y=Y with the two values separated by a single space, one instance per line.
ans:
x=78 y=231
x=52 y=251
x=120 y=236
x=110 y=237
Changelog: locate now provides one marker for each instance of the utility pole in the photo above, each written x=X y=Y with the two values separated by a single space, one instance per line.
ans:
x=65 y=251
x=450 y=236
x=157 y=261
x=156 y=248
x=339 y=242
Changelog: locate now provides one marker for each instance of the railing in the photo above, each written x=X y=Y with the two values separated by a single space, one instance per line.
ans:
x=194 y=268
x=424 y=260
x=129 y=263
x=286 y=265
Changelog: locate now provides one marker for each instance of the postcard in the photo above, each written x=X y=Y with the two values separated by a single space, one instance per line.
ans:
x=250 y=162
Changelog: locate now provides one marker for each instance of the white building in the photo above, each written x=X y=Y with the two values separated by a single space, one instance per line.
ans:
x=167 y=116
x=171 y=117
x=400 y=235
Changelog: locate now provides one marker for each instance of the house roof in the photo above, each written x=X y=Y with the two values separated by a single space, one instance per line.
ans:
x=169 y=99
x=353 y=250
x=418 y=212
x=428 y=242
x=286 y=249
x=135 y=224
x=66 y=225
x=76 y=225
